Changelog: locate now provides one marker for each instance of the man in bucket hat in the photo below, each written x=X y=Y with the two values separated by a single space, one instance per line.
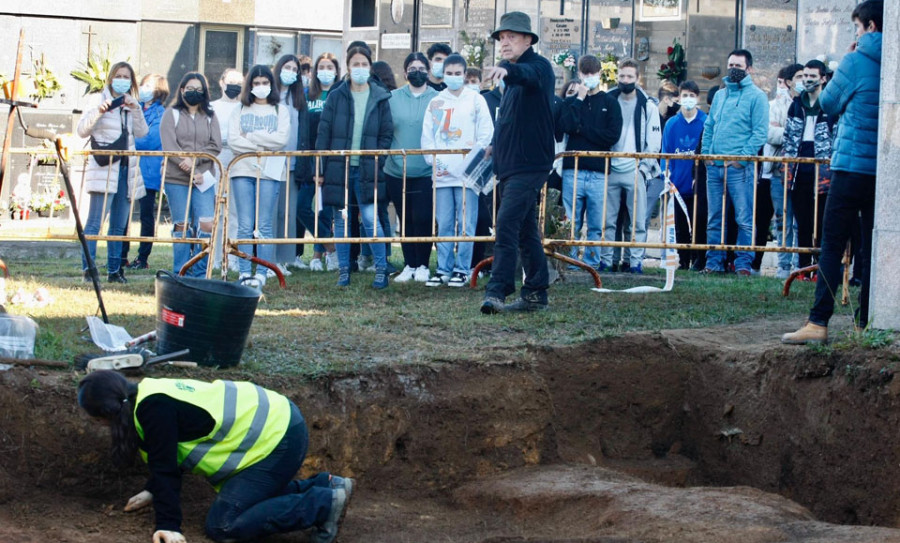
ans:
x=523 y=148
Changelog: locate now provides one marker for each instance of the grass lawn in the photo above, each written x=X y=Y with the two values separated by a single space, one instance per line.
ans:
x=312 y=327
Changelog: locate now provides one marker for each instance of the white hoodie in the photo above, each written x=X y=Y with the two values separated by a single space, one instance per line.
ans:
x=455 y=122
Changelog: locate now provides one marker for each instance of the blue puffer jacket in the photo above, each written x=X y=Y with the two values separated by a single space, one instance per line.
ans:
x=853 y=95
x=151 y=167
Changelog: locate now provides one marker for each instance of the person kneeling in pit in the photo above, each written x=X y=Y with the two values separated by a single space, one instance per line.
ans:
x=247 y=441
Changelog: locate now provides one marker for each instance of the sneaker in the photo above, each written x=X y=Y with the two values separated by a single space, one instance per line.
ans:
x=381 y=280
x=782 y=273
x=532 y=302
x=491 y=305
x=249 y=281
x=365 y=263
x=625 y=268
x=346 y=483
x=422 y=274
x=614 y=268
x=744 y=273
x=298 y=263
x=436 y=280
x=328 y=531
x=710 y=271
x=344 y=277
x=754 y=272
x=808 y=333
x=405 y=276
x=86 y=276
x=390 y=269
x=138 y=264
x=458 y=279
x=331 y=261
x=603 y=267
x=316 y=265
x=637 y=270
x=284 y=271
x=261 y=278
x=117 y=277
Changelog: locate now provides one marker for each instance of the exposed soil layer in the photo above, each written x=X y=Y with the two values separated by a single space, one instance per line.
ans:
x=609 y=441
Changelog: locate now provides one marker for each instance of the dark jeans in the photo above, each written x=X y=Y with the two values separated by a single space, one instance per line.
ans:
x=765 y=210
x=306 y=217
x=803 y=199
x=517 y=231
x=483 y=227
x=264 y=499
x=851 y=196
x=701 y=214
x=418 y=212
x=683 y=230
x=148 y=217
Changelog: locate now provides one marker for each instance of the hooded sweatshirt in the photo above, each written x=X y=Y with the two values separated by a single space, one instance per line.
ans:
x=683 y=138
x=455 y=122
x=408 y=111
x=258 y=127
x=738 y=121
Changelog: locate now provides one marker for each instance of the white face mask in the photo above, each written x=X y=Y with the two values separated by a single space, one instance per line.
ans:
x=261 y=92
x=474 y=86
x=437 y=70
x=689 y=103
x=592 y=81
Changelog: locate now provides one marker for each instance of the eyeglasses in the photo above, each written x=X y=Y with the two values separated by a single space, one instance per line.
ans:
x=192 y=89
x=414 y=70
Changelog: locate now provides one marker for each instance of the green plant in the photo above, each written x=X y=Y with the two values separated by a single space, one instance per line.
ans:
x=609 y=69
x=94 y=72
x=45 y=82
x=675 y=70
x=43 y=201
x=474 y=50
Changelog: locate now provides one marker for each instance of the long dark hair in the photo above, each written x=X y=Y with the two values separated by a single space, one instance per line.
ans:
x=315 y=87
x=178 y=98
x=384 y=72
x=260 y=70
x=108 y=395
x=296 y=89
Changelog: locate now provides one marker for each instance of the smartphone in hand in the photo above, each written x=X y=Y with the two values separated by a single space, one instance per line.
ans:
x=116 y=103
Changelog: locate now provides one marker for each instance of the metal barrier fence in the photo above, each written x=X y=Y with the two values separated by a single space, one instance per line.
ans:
x=231 y=243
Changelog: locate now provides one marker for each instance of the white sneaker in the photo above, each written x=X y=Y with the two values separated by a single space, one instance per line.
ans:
x=331 y=261
x=366 y=263
x=422 y=274
x=261 y=279
x=251 y=281
x=316 y=265
x=405 y=276
x=284 y=271
x=437 y=281
x=782 y=273
x=299 y=264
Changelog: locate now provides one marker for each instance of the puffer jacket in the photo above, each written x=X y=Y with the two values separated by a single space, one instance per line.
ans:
x=822 y=136
x=853 y=95
x=151 y=166
x=336 y=133
x=106 y=128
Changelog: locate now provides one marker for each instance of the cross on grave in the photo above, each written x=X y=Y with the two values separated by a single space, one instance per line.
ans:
x=90 y=33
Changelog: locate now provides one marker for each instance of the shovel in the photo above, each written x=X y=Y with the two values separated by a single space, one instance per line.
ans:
x=140 y=360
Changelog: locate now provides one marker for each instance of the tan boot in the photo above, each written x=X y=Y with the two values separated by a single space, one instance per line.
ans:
x=808 y=333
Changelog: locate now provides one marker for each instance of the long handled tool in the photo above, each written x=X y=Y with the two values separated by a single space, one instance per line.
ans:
x=140 y=360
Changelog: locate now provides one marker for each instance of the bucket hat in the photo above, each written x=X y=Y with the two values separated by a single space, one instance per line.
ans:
x=515 y=21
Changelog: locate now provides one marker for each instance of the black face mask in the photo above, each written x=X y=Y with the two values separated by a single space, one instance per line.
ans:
x=417 y=78
x=736 y=75
x=192 y=98
x=627 y=88
x=811 y=86
x=232 y=91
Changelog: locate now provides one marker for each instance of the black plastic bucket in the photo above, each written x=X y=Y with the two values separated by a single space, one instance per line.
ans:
x=211 y=318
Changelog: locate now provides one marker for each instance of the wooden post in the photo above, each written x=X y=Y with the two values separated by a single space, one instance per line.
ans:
x=4 y=157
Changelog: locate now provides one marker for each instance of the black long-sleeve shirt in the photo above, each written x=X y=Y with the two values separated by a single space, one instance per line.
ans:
x=166 y=422
x=593 y=124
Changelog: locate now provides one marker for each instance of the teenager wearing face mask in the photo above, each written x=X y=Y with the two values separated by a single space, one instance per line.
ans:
x=356 y=116
x=682 y=136
x=231 y=82
x=408 y=107
x=305 y=71
x=436 y=55
x=261 y=124
x=325 y=73
x=473 y=79
x=592 y=120
x=190 y=125
x=111 y=186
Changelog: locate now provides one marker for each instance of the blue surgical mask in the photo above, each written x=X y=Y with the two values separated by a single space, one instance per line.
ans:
x=502 y=85
x=325 y=77
x=359 y=76
x=437 y=70
x=145 y=94
x=305 y=79
x=799 y=87
x=474 y=86
x=591 y=81
x=454 y=82
x=288 y=77
x=121 y=86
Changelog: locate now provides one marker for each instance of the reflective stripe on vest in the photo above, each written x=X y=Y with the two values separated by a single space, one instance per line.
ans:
x=249 y=423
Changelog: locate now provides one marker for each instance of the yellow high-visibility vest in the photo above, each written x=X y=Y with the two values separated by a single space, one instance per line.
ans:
x=249 y=423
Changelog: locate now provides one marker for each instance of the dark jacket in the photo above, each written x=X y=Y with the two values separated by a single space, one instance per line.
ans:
x=794 y=146
x=336 y=132
x=853 y=95
x=303 y=168
x=647 y=131
x=593 y=124
x=493 y=99
x=523 y=140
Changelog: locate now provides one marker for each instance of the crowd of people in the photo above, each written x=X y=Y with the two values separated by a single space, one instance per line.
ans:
x=510 y=111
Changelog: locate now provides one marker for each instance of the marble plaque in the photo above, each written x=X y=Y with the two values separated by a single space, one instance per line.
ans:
x=825 y=28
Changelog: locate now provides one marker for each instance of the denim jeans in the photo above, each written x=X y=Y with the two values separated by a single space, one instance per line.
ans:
x=455 y=207
x=116 y=210
x=588 y=199
x=850 y=197
x=306 y=217
x=783 y=220
x=367 y=212
x=622 y=187
x=243 y=190
x=740 y=193
x=263 y=499
x=517 y=231
x=202 y=205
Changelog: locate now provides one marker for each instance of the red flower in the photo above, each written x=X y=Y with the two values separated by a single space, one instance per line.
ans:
x=61 y=194
x=671 y=64
x=670 y=50
x=663 y=66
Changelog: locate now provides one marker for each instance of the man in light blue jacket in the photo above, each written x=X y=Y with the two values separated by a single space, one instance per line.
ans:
x=853 y=95
x=738 y=124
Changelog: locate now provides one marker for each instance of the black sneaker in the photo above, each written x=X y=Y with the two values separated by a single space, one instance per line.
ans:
x=492 y=305
x=117 y=277
x=532 y=302
x=86 y=276
x=138 y=264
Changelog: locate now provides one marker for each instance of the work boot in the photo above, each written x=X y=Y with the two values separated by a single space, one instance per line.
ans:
x=527 y=304
x=327 y=532
x=492 y=305
x=808 y=333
